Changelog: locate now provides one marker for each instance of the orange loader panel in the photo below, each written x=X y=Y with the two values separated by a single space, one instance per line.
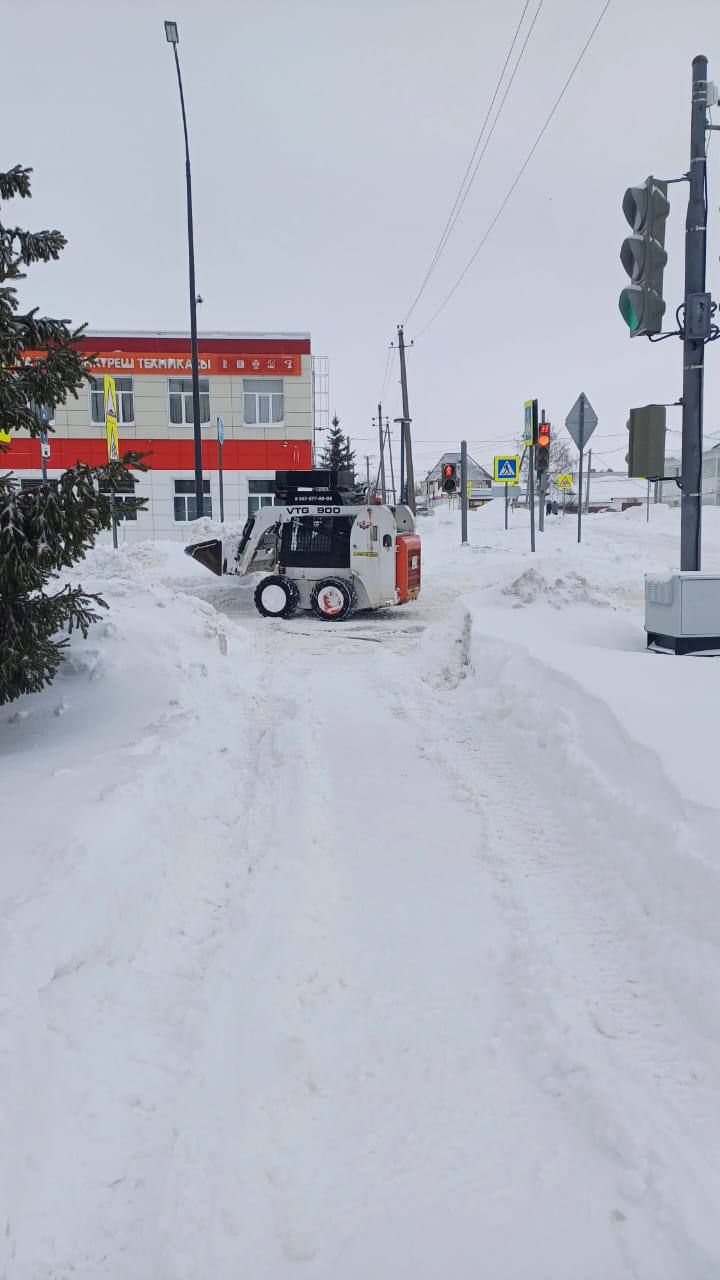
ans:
x=407 y=567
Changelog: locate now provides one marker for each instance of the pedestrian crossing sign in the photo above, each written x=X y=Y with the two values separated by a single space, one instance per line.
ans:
x=506 y=469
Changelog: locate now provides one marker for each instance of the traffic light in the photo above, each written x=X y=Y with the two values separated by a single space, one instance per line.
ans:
x=542 y=455
x=449 y=472
x=643 y=257
x=646 y=455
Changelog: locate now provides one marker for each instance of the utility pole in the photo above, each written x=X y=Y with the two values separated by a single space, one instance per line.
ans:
x=587 y=487
x=694 y=347
x=463 y=492
x=392 y=467
x=381 y=435
x=407 y=474
x=367 y=478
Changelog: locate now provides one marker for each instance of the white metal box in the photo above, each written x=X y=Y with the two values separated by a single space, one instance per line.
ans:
x=683 y=608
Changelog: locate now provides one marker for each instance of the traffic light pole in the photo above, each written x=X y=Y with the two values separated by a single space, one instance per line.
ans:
x=531 y=493
x=463 y=492
x=694 y=348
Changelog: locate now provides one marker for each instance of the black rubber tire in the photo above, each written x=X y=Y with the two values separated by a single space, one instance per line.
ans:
x=290 y=591
x=341 y=587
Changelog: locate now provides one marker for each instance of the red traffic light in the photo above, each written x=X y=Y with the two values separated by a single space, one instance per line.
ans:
x=449 y=470
x=543 y=435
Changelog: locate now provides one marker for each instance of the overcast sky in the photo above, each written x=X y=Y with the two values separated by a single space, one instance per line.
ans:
x=328 y=139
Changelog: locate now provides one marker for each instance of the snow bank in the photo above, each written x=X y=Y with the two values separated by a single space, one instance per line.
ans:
x=381 y=950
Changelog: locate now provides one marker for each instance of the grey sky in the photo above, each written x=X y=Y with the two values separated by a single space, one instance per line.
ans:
x=327 y=142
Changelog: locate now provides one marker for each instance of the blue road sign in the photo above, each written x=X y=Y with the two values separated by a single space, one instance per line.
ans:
x=506 y=469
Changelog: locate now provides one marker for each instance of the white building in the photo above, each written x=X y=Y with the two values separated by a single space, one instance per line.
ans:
x=260 y=385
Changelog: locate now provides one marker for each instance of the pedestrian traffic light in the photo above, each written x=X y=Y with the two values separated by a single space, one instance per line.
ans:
x=646 y=455
x=643 y=257
x=542 y=455
x=449 y=477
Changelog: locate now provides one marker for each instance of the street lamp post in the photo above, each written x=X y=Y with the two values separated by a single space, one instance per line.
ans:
x=171 y=35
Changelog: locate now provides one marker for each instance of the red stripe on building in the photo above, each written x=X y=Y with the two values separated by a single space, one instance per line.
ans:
x=167 y=345
x=165 y=455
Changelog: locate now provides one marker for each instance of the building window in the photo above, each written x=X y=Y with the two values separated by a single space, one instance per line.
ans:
x=123 y=490
x=261 y=493
x=125 y=400
x=181 y=405
x=185 y=506
x=263 y=400
x=29 y=485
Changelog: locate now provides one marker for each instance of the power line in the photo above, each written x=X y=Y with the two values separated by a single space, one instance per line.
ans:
x=521 y=170
x=463 y=191
x=386 y=374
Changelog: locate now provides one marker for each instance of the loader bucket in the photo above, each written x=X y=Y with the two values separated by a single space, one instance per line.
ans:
x=209 y=554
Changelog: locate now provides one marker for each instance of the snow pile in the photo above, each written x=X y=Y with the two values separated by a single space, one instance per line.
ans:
x=366 y=959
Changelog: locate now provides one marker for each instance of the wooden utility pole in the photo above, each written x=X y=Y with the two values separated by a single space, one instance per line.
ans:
x=381 y=436
x=407 y=473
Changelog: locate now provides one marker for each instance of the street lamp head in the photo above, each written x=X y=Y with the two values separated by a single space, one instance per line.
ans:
x=171 y=33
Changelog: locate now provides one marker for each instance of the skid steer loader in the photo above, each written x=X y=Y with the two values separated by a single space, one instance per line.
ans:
x=323 y=549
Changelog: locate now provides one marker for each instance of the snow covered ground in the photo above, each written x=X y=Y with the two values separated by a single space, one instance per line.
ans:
x=388 y=949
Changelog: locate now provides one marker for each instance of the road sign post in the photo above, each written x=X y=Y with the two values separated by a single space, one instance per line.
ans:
x=506 y=506
x=220 y=438
x=581 y=422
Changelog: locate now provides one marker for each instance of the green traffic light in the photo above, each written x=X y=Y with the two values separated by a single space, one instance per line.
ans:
x=628 y=311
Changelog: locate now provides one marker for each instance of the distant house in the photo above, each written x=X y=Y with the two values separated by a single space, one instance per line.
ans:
x=670 y=492
x=479 y=478
x=609 y=491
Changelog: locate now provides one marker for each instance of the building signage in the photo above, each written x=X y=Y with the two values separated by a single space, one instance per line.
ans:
x=211 y=364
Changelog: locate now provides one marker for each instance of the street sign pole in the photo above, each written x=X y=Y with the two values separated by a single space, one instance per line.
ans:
x=506 y=506
x=220 y=438
x=581 y=422
x=581 y=447
x=463 y=492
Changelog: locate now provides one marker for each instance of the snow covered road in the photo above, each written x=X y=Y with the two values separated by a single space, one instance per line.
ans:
x=386 y=950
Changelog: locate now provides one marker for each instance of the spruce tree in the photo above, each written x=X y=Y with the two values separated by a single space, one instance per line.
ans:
x=48 y=528
x=337 y=452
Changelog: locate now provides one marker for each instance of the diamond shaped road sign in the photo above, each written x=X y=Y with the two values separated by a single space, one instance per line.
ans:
x=581 y=421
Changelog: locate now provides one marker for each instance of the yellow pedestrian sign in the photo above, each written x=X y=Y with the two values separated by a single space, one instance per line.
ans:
x=111 y=418
x=468 y=488
x=506 y=469
x=564 y=481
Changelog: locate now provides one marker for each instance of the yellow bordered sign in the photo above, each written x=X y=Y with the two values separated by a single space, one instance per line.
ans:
x=564 y=481
x=111 y=417
x=506 y=469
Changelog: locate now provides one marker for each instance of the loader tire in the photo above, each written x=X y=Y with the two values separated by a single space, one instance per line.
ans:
x=276 y=597
x=333 y=599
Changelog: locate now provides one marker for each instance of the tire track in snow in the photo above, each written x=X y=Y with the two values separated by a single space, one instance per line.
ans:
x=586 y=958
